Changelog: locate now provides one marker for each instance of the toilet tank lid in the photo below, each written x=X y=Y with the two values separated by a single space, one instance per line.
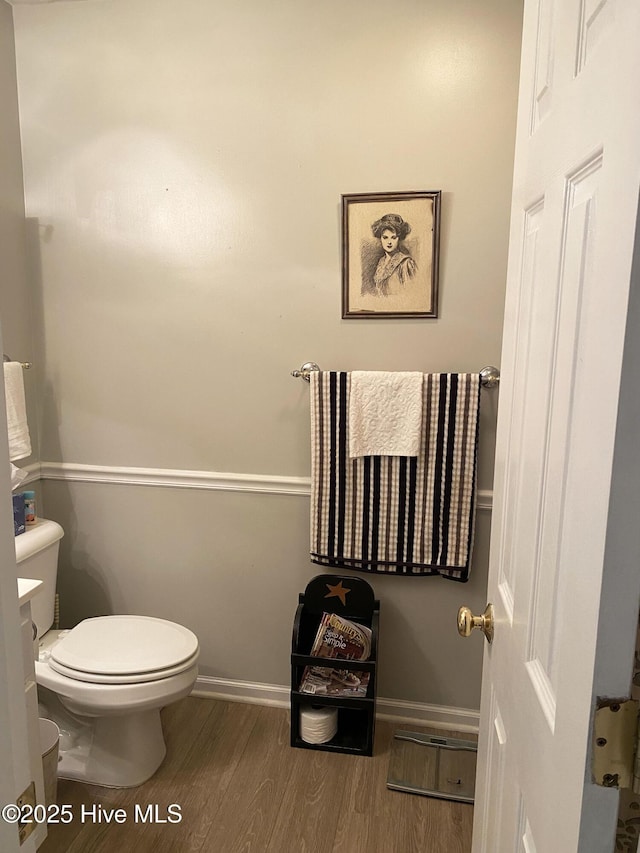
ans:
x=125 y=645
x=43 y=534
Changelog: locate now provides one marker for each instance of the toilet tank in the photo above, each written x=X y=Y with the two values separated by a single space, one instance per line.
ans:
x=37 y=558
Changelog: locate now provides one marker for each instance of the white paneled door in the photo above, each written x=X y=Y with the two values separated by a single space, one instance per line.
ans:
x=565 y=555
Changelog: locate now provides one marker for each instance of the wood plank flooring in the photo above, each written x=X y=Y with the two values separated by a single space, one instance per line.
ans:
x=241 y=787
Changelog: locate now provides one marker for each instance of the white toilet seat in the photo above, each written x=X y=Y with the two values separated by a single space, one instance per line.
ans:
x=124 y=650
x=135 y=678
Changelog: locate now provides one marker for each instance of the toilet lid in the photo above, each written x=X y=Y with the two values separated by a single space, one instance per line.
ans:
x=115 y=680
x=124 y=648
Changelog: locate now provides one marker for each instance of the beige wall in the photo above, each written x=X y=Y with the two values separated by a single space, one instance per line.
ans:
x=15 y=307
x=183 y=170
x=13 y=292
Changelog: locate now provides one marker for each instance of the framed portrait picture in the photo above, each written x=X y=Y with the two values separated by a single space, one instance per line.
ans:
x=390 y=245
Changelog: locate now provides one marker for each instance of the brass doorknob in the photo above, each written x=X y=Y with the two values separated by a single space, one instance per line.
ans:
x=467 y=622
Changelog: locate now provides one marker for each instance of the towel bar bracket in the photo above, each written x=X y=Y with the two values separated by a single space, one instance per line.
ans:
x=26 y=365
x=306 y=370
x=489 y=377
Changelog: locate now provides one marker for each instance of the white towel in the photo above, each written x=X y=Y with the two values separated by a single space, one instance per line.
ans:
x=17 y=476
x=17 y=427
x=385 y=413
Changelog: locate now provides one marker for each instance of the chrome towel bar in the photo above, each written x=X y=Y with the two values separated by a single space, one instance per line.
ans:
x=489 y=376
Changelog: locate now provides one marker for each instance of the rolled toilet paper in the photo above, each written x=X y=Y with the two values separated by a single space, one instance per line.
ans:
x=318 y=724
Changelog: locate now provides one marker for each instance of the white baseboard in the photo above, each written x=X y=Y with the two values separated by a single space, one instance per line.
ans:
x=394 y=710
x=241 y=691
x=435 y=716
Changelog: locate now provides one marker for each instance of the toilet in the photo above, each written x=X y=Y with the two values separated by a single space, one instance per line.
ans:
x=103 y=682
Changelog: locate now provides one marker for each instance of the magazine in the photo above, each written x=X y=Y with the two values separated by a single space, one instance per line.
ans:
x=325 y=681
x=338 y=638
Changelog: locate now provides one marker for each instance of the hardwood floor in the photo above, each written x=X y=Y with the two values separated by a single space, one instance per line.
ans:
x=241 y=787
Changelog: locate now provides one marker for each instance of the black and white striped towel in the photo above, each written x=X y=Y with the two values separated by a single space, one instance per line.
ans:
x=396 y=514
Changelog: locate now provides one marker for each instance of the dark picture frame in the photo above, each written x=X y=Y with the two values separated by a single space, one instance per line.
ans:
x=390 y=254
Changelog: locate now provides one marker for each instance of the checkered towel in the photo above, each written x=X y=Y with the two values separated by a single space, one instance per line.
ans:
x=396 y=514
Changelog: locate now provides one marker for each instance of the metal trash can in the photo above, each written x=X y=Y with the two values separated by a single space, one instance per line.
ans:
x=49 y=741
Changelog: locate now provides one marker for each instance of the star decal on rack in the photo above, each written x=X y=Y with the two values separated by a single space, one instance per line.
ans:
x=338 y=591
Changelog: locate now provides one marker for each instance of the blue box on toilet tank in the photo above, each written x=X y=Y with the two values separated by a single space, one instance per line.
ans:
x=19 y=525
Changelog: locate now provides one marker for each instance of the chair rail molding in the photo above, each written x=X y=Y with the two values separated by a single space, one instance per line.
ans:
x=176 y=479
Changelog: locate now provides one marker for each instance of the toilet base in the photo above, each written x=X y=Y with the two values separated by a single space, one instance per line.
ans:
x=114 y=752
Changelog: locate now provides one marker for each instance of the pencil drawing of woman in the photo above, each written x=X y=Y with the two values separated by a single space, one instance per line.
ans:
x=390 y=254
x=394 y=267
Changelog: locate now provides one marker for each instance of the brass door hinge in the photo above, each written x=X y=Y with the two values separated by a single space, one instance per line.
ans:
x=615 y=744
x=26 y=803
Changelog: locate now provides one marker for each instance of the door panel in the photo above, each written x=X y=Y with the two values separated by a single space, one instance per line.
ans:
x=557 y=551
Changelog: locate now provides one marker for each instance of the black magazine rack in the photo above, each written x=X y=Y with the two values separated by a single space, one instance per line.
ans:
x=353 y=598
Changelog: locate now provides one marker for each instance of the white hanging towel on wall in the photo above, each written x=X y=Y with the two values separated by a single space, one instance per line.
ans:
x=385 y=413
x=17 y=427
